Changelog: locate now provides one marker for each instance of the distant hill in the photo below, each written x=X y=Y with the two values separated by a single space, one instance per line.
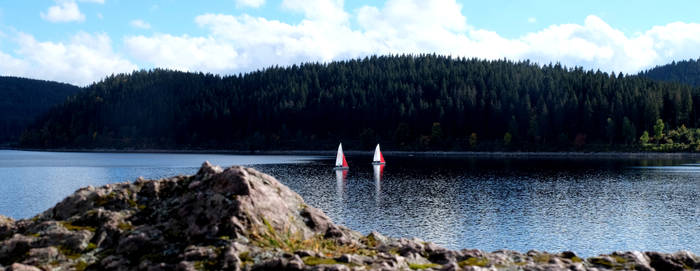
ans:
x=687 y=72
x=425 y=102
x=22 y=100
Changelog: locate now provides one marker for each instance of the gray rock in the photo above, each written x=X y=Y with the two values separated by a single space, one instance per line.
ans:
x=22 y=267
x=441 y=256
x=185 y=266
x=7 y=226
x=354 y=259
x=197 y=253
x=15 y=248
x=40 y=256
x=114 y=262
x=378 y=239
x=230 y=259
x=295 y=263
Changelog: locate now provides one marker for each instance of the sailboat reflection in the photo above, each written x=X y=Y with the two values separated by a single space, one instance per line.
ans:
x=340 y=176
x=378 y=172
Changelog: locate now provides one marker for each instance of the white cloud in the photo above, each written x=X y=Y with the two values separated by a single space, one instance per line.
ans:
x=250 y=3
x=84 y=59
x=326 y=11
x=243 y=43
x=140 y=24
x=63 y=11
x=93 y=1
x=328 y=32
x=184 y=53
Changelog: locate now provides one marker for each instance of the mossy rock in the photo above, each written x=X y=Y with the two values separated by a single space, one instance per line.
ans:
x=69 y=226
x=479 y=261
x=310 y=260
x=417 y=266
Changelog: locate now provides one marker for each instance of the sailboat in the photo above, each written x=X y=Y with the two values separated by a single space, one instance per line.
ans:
x=340 y=162
x=378 y=157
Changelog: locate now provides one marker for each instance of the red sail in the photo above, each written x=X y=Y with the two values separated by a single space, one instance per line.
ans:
x=345 y=163
x=381 y=157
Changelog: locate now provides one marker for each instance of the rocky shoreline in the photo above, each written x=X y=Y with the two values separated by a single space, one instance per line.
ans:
x=240 y=219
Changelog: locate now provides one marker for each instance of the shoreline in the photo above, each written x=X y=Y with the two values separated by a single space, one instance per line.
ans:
x=443 y=154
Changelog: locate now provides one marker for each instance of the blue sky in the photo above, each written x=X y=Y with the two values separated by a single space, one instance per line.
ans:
x=81 y=41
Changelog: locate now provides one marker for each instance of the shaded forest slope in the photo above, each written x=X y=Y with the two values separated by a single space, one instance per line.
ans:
x=687 y=71
x=22 y=100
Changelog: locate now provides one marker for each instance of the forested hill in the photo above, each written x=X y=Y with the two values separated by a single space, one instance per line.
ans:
x=423 y=102
x=687 y=71
x=22 y=100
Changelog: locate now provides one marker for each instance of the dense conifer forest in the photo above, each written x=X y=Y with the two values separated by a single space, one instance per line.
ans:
x=425 y=102
x=687 y=71
x=22 y=100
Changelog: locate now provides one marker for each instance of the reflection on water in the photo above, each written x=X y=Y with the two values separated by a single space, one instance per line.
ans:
x=588 y=206
x=340 y=176
x=31 y=182
x=378 y=171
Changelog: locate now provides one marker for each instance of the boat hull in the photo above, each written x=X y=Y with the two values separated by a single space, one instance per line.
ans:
x=341 y=168
x=378 y=163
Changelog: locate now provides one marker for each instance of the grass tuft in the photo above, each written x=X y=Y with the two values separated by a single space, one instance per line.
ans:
x=416 y=266
x=69 y=253
x=480 y=262
x=72 y=227
x=125 y=226
x=310 y=260
x=291 y=242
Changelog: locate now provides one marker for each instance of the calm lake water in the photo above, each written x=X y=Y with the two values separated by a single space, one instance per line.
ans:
x=589 y=206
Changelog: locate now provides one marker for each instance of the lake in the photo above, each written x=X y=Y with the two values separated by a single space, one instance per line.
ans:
x=589 y=206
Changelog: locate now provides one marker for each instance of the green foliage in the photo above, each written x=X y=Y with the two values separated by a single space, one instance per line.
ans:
x=610 y=130
x=416 y=266
x=479 y=261
x=675 y=140
x=644 y=139
x=68 y=253
x=289 y=241
x=658 y=130
x=397 y=98
x=312 y=261
x=507 y=139
x=629 y=132
x=125 y=226
x=91 y=246
x=72 y=227
x=473 y=140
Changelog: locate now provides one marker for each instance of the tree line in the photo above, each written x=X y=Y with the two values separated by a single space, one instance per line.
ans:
x=686 y=71
x=405 y=102
x=22 y=100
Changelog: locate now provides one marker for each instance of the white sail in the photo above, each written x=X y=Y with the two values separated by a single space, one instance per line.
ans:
x=339 y=157
x=376 y=154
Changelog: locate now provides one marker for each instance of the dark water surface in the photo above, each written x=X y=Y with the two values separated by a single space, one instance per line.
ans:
x=589 y=206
